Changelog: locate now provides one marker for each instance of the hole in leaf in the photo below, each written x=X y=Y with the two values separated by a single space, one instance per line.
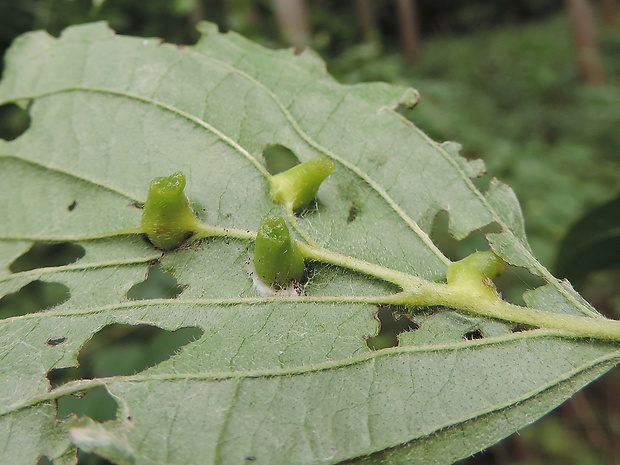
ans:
x=511 y=284
x=86 y=458
x=471 y=335
x=483 y=182
x=520 y=328
x=72 y=206
x=279 y=158
x=391 y=325
x=455 y=249
x=353 y=212
x=45 y=255
x=157 y=285
x=44 y=461
x=97 y=404
x=15 y=121
x=33 y=297
x=54 y=341
x=122 y=350
x=514 y=282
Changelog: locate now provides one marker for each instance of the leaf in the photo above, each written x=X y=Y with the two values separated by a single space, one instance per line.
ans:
x=272 y=380
x=592 y=243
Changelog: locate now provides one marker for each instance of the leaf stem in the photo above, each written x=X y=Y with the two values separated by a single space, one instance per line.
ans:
x=479 y=305
x=206 y=230
x=416 y=292
x=320 y=254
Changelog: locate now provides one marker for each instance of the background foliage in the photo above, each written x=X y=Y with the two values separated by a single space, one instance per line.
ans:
x=496 y=76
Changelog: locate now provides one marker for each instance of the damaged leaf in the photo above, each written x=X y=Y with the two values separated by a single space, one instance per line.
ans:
x=273 y=380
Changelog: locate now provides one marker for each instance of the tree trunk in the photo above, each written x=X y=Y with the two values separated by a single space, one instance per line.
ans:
x=365 y=19
x=292 y=17
x=609 y=12
x=409 y=32
x=588 y=59
x=194 y=17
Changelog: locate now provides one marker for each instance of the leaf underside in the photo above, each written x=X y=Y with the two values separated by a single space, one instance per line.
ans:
x=269 y=381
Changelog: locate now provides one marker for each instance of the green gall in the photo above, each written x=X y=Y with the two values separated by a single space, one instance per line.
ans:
x=297 y=187
x=277 y=258
x=476 y=272
x=168 y=220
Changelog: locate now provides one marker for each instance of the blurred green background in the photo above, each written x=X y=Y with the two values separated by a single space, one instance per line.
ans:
x=503 y=78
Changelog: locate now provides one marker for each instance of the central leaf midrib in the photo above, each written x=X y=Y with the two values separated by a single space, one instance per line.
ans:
x=506 y=230
x=360 y=174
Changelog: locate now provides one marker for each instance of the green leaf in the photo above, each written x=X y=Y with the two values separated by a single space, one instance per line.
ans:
x=274 y=380
x=592 y=243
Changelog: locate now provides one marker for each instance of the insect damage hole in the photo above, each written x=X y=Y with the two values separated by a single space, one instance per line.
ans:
x=34 y=297
x=122 y=349
x=457 y=249
x=158 y=284
x=520 y=328
x=279 y=158
x=72 y=206
x=15 y=121
x=511 y=284
x=475 y=334
x=391 y=324
x=97 y=404
x=47 y=255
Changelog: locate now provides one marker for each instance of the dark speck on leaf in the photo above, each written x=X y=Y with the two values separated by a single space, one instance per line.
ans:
x=352 y=214
x=54 y=341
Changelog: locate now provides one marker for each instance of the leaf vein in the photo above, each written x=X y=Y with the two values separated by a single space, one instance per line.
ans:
x=539 y=267
x=364 y=176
